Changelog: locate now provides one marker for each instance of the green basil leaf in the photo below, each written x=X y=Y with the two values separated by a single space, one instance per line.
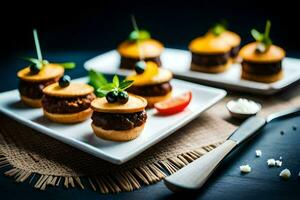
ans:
x=33 y=60
x=108 y=87
x=68 y=65
x=101 y=93
x=125 y=84
x=116 y=81
x=257 y=35
x=139 y=35
x=218 y=29
x=96 y=79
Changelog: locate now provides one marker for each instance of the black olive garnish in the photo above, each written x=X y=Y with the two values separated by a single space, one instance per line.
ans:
x=140 y=67
x=123 y=97
x=34 y=68
x=112 y=97
x=64 y=81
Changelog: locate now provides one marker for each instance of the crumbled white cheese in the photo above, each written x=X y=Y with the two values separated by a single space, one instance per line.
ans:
x=243 y=106
x=271 y=162
x=245 y=168
x=285 y=174
x=278 y=163
x=258 y=153
x=280 y=158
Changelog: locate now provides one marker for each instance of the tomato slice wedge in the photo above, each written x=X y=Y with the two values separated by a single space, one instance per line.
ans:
x=174 y=105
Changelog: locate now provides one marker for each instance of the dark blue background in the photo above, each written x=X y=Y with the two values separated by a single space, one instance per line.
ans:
x=101 y=25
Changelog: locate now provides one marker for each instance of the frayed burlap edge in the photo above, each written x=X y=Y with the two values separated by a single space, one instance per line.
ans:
x=124 y=181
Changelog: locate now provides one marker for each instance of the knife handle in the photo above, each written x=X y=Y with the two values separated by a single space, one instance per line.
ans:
x=195 y=174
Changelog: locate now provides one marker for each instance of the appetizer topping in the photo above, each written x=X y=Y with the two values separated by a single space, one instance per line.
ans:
x=35 y=68
x=114 y=92
x=123 y=97
x=134 y=104
x=63 y=105
x=258 y=153
x=245 y=168
x=174 y=105
x=73 y=90
x=140 y=67
x=139 y=35
x=285 y=174
x=119 y=121
x=39 y=63
x=112 y=97
x=151 y=76
x=219 y=28
x=64 y=81
x=263 y=39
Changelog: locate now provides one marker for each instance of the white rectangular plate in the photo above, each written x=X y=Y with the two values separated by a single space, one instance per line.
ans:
x=81 y=135
x=178 y=61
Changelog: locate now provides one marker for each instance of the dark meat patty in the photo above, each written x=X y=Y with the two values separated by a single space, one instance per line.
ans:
x=234 y=51
x=119 y=121
x=151 y=90
x=210 y=59
x=34 y=90
x=262 y=68
x=129 y=63
x=67 y=105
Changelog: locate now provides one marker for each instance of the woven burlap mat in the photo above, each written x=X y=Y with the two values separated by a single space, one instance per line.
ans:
x=34 y=156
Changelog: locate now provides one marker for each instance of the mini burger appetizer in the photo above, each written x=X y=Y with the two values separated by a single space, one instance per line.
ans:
x=151 y=82
x=39 y=74
x=210 y=53
x=66 y=102
x=233 y=39
x=118 y=116
x=139 y=46
x=262 y=61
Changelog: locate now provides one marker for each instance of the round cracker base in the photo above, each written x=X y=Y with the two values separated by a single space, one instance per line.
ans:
x=152 y=100
x=69 y=118
x=118 y=136
x=262 y=78
x=34 y=103
x=211 y=69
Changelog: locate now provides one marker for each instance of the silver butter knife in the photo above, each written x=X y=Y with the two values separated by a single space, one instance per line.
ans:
x=195 y=174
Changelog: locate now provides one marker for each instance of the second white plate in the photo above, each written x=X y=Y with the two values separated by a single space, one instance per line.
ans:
x=178 y=61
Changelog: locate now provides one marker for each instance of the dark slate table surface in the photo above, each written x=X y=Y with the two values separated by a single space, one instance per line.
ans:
x=227 y=183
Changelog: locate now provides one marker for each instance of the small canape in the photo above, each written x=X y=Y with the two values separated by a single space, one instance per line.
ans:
x=210 y=54
x=31 y=84
x=119 y=121
x=262 y=61
x=117 y=116
x=151 y=82
x=66 y=102
x=39 y=74
x=234 y=40
x=139 y=46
